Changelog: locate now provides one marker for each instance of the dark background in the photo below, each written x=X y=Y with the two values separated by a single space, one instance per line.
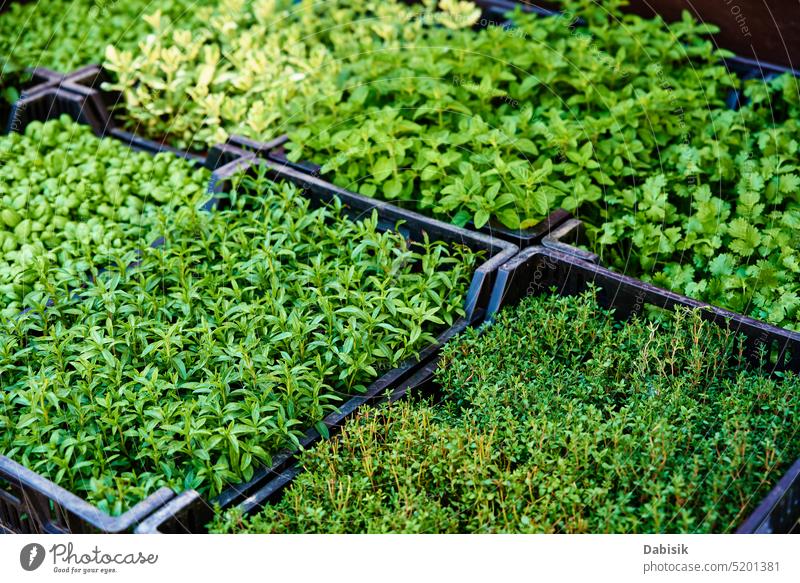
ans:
x=764 y=30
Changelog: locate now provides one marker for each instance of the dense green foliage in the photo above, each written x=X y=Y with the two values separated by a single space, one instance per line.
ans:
x=254 y=68
x=66 y=34
x=622 y=121
x=217 y=348
x=558 y=419
x=510 y=123
x=718 y=219
x=69 y=200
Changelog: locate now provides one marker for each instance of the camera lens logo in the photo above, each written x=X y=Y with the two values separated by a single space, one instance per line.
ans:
x=31 y=556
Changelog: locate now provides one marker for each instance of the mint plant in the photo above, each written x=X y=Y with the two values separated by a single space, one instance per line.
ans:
x=217 y=349
x=500 y=125
x=557 y=419
x=70 y=200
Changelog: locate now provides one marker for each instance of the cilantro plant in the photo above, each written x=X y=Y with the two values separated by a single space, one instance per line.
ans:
x=69 y=199
x=557 y=419
x=218 y=348
x=718 y=220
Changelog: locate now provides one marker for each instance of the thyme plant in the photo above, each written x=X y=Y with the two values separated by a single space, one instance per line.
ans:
x=558 y=419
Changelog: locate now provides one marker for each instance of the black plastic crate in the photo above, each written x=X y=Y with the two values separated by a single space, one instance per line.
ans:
x=31 y=83
x=49 y=104
x=743 y=66
x=567 y=237
x=538 y=269
x=542 y=270
x=275 y=151
x=30 y=503
x=570 y=239
x=779 y=511
x=189 y=512
x=83 y=517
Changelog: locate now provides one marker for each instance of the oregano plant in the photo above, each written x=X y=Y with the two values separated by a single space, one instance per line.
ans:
x=189 y=364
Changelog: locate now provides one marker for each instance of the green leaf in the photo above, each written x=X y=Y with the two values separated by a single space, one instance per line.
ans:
x=322 y=429
x=461 y=218
x=393 y=188
x=382 y=169
x=481 y=218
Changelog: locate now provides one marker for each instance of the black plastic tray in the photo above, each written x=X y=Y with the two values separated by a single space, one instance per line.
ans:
x=567 y=236
x=41 y=79
x=743 y=66
x=30 y=503
x=275 y=151
x=189 y=512
x=29 y=494
x=538 y=269
x=541 y=270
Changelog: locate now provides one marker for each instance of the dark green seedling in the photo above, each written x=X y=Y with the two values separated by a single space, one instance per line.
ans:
x=219 y=348
x=558 y=419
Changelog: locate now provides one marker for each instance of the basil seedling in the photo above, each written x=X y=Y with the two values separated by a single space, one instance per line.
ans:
x=70 y=200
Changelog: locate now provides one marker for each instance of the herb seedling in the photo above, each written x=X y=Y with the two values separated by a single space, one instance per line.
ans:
x=218 y=348
x=70 y=200
x=557 y=419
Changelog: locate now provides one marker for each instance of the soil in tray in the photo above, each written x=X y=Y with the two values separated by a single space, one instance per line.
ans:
x=558 y=418
x=248 y=325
